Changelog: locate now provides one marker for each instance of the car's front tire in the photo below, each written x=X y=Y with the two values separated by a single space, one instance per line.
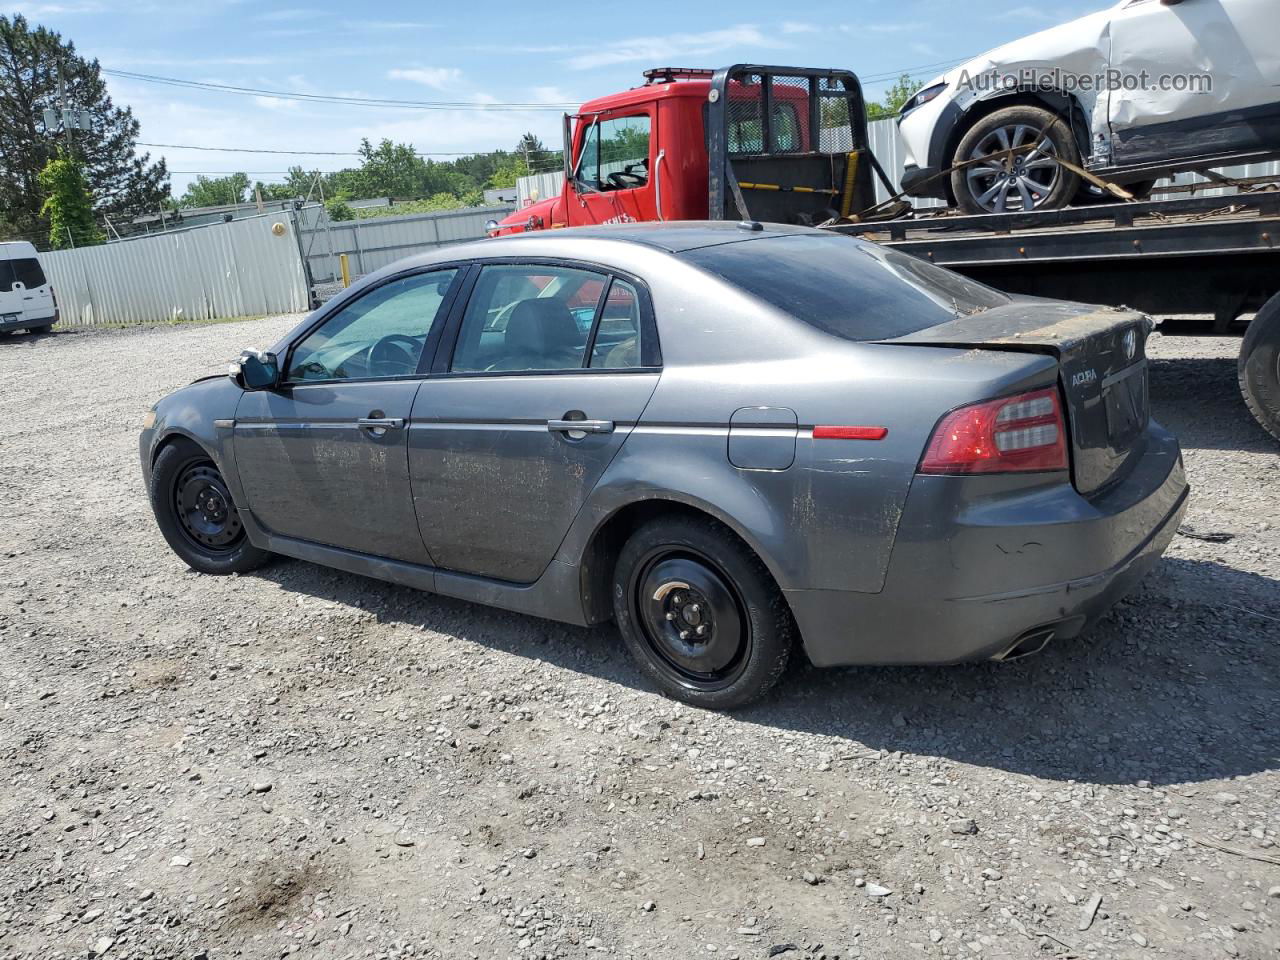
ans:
x=700 y=613
x=196 y=514
x=1026 y=179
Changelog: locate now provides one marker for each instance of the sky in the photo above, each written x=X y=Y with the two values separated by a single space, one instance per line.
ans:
x=542 y=56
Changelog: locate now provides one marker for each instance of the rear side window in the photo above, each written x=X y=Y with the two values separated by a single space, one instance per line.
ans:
x=27 y=272
x=848 y=288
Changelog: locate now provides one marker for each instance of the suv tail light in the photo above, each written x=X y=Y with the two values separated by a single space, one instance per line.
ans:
x=1026 y=432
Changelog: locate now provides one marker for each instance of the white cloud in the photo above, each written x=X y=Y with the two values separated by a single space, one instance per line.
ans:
x=35 y=11
x=903 y=27
x=285 y=16
x=1034 y=14
x=671 y=47
x=437 y=78
x=275 y=103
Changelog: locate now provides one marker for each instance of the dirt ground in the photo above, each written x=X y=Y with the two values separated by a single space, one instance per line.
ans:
x=301 y=761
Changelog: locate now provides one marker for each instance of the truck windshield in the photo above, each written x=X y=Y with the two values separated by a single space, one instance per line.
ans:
x=848 y=288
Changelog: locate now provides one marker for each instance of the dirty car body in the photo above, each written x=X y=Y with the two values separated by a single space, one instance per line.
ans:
x=829 y=409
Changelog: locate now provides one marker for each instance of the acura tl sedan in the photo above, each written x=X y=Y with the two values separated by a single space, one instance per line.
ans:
x=734 y=440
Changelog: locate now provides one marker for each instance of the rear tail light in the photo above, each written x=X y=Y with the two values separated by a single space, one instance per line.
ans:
x=1026 y=432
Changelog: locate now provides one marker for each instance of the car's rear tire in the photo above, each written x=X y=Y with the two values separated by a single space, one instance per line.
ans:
x=195 y=512
x=42 y=328
x=1029 y=180
x=700 y=613
x=1259 y=366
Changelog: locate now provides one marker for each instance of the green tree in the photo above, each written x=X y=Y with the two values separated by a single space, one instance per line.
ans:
x=216 y=191
x=339 y=210
x=122 y=182
x=894 y=98
x=67 y=207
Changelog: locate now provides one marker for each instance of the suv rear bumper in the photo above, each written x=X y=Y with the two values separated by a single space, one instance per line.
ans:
x=972 y=575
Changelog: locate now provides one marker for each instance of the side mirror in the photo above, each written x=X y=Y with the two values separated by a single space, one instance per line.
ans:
x=255 y=370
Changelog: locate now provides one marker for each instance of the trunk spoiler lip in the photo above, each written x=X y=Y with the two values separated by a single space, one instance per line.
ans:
x=1031 y=324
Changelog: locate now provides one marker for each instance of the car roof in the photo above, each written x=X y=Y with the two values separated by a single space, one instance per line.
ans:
x=674 y=237
x=17 y=250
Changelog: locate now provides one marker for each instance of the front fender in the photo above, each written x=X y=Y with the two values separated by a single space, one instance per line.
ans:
x=192 y=412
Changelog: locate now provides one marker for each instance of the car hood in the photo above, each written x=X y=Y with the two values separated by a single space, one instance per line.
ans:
x=1059 y=46
x=536 y=216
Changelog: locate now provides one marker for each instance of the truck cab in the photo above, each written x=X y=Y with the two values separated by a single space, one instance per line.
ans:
x=748 y=142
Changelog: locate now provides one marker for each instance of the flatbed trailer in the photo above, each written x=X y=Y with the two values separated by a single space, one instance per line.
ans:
x=1215 y=256
x=755 y=142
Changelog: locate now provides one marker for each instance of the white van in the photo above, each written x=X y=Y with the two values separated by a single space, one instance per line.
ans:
x=26 y=296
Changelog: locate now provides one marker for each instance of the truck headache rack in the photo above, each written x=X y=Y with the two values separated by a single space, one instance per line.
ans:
x=787 y=145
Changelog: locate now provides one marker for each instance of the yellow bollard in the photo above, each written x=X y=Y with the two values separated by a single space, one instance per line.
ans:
x=346 y=270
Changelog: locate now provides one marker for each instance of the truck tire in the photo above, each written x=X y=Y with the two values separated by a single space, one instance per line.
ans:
x=1006 y=184
x=1259 y=367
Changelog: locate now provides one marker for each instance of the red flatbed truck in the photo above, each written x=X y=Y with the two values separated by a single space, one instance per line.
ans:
x=790 y=145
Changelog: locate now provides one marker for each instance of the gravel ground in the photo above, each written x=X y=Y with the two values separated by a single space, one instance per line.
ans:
x=303 y=761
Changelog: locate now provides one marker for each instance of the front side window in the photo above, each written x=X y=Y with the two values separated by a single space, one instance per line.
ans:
x=382 y=334
x=615 y=154
x=524 y=317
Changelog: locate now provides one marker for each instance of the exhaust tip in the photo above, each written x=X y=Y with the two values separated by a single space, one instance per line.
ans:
x=1029 y=644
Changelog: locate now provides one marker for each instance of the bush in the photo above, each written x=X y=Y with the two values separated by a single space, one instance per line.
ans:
x=339 y=210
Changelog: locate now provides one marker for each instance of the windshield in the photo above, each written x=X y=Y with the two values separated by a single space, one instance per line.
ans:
x=845 y=287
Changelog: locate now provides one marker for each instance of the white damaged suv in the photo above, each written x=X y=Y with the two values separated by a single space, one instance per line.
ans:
x=1131 y=93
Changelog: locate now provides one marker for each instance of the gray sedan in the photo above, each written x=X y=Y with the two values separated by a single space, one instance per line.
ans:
x=733 y=440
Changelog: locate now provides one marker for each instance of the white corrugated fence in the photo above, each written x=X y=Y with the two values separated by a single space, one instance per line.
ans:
x=245 y=268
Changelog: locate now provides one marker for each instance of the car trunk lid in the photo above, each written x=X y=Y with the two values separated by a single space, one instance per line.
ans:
x=1102 y=371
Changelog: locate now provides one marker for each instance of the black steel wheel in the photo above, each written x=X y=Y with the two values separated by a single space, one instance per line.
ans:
x=691 y=617
x=700 y=613
x=197 y=514
x=203 y=506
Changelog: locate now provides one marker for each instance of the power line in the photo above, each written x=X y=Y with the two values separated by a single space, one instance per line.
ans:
x=325 y=153
x=894 y=74
x=334 y=98
x=300 y=153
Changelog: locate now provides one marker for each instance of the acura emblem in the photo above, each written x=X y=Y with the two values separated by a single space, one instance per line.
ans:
x=1130 y=344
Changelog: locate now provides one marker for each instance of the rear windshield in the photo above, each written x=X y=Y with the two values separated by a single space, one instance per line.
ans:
x=25 y=271
x=849 y=288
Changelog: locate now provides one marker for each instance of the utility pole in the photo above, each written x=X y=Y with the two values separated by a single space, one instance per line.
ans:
x=66 y=116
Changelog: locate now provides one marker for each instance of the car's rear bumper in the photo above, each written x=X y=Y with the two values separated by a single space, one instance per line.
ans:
x=971 y=576
x=25 y=321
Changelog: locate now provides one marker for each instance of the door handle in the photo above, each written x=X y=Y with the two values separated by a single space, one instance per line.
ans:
x=381 y=423
x=582 y=426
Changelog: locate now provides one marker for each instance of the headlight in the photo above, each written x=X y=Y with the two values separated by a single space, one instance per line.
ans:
x=921 y=98
x=491 y=226
x=149 y=420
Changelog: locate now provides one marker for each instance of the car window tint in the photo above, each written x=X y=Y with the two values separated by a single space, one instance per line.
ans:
x=527 y=318
x=27 y=272
x=382 y=334
x=615 y=154
x=617 y=344
x=6 y=275
x=846 y=287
